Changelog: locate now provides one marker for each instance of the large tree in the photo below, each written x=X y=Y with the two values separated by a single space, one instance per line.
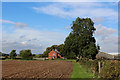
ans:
x=80 y=41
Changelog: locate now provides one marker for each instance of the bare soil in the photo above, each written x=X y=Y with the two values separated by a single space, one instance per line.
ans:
x=36 y=69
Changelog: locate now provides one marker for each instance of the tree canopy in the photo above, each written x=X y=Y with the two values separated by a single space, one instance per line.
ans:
x=80 y=41
x=26 y=54
x=13 y=54
x=53 y=47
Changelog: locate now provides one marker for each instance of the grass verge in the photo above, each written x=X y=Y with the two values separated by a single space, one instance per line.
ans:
x=80 y=72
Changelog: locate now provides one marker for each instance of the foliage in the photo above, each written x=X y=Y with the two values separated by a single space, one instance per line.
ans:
x=39 y=56
x=3 y=54
x=111 y=69
x=33 y=55
x=53 y=47
x=49 y=49
x=117 y=57
x=80 y=41
x=13 y=54
x=26 y=54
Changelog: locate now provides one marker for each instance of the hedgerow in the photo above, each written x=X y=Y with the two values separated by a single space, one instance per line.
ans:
x=109 y=68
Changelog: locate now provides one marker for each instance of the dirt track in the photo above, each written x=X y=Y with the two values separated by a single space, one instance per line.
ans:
x=37 y=69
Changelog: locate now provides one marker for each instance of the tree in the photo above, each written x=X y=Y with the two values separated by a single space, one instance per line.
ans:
x=13 y=54
x=80 y=41
x=60 y=48
x=53 y=47
x=26 y=54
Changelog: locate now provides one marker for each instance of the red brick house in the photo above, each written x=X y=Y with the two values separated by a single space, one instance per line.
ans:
x=54 y=54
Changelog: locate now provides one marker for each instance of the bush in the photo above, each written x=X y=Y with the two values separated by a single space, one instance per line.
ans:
x=111 y=69
x=13 y=54
x=92 y=66
x=40 y=56
x=26 y=54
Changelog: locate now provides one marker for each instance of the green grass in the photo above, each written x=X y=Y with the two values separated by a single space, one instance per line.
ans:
x=80 y=72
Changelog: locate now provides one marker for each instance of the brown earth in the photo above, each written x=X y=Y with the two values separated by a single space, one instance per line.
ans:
x=36 y=69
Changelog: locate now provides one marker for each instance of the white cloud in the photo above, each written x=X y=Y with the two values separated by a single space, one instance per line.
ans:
x=29 y=38
x=107 y=38
x=98 y=19
x=20 y=25
x=103 y=31
x=73 y=10
x=16 y=24
x=24 y=42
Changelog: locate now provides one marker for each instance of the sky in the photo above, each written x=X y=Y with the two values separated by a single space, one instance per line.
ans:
x=38 y=25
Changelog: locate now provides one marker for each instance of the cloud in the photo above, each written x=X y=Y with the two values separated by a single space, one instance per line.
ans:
x=22 y=36
x=8 y=46
x=98 y=19
x=103 y=31
x=111 y=39
x=73 y=10
x=24 y=42
x=16 y=24
x=6 y=21
x=20 y=25
x=107 y=38
x=29 y=38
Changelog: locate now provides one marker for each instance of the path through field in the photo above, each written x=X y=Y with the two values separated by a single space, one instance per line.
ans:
x=37 y=69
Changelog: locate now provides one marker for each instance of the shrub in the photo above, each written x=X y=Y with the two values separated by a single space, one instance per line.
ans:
x=13 y=54
x=26 y=54
x=92 y=66
x=111 y=69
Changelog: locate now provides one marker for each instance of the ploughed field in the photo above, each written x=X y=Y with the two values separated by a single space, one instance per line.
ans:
x=37 y=69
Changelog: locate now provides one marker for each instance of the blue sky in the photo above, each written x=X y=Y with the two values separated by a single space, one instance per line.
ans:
x=35 y=26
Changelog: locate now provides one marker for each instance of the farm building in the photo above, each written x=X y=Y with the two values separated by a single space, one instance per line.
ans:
x=54 y=54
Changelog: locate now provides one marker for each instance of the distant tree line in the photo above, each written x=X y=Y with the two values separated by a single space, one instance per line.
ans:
x=23 y=54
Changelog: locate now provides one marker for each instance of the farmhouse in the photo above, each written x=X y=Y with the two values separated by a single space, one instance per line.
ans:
x=54 y=54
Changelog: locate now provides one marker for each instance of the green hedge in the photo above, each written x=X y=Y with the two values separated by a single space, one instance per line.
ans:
x=109 y=68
